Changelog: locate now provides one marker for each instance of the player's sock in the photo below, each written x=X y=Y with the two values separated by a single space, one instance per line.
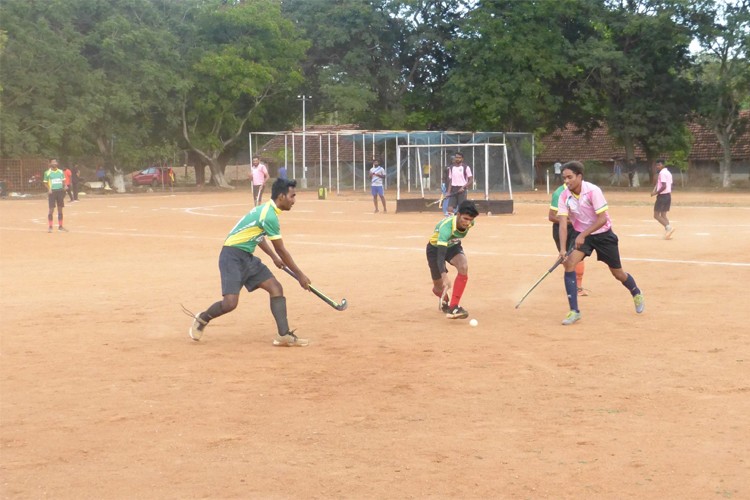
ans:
x=59 y=220
x=579 y=274
x=49 y=220
x=572 y=290
x=278 y=309
x=212 y=312
x=631 y=286
x=458 y=289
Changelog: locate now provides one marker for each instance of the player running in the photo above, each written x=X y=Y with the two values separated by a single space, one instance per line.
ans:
x=584 y=203
x=445 y=246
x=239 y=267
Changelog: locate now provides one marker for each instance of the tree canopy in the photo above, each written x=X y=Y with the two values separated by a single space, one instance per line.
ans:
x=131 y=81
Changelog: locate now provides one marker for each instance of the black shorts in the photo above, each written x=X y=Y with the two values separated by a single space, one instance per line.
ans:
x=458 y=196
x=606 y=246
x=556 y=235
x=239 y=268
x=663 y=202
x=432 y=252
x=56 y=198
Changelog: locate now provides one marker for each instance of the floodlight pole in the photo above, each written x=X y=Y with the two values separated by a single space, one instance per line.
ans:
x=304 y=98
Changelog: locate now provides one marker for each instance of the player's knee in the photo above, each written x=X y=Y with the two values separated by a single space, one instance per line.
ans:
x=229 y=303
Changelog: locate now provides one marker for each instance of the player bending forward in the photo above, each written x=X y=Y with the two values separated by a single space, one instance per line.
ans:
x=445 y=246
x=239 y=267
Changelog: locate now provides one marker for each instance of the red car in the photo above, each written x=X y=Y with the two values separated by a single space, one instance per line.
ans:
x=152 y=176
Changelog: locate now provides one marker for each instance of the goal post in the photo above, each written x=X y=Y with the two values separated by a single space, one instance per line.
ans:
x=490 y=189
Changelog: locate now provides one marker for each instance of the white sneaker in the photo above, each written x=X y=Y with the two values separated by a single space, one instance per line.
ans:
x=572 y=317
x=196 y=329
x=289 y=340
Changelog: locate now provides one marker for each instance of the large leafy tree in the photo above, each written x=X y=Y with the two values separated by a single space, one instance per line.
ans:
x=636 y=73
x=237 y=56
x=83 y=77
x=723 y=73
x=515 y=69
x=351 y=69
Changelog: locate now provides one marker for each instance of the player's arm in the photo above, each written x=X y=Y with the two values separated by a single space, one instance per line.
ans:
x=601 y=219
x=563 y=232
x=552 y=215
x=263 y=244
x=286 y=258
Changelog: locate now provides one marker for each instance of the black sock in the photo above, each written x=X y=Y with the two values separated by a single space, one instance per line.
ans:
x=212 y=312
x=630 y=285
x=278 y=309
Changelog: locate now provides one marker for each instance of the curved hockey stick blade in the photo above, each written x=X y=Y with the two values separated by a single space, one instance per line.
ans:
x=339 y=306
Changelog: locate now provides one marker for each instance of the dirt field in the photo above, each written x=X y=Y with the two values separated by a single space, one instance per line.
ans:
x=103 y=395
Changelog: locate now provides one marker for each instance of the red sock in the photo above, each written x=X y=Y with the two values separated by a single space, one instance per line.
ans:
x=458 y=289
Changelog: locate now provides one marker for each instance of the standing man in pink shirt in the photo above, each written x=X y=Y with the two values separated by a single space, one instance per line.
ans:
x=584 y=204
x=459 y=181
x=258 y=177
x=663 y=192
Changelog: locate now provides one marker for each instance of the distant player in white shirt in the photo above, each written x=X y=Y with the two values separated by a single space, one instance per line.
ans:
x=377 y=174
x=663 y=192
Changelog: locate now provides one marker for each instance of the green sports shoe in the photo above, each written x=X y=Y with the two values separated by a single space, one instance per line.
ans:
x=572 y=317
x=640 y=303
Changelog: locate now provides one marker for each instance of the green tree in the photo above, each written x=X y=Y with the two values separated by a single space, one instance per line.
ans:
x=236 y=57
x=723 y=73
x=83 y=77
x=636 y=74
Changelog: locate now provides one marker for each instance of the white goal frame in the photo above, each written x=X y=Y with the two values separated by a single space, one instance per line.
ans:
x=486 y=145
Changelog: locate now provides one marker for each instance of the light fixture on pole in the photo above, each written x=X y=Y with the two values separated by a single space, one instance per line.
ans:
x=304 y=98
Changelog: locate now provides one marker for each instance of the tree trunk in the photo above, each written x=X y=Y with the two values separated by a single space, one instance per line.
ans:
x=724 y=136
x=217 y=174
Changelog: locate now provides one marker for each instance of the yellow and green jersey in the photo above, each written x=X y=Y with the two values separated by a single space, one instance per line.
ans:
x=447 y=234
x=54 y=179
x=261 y=221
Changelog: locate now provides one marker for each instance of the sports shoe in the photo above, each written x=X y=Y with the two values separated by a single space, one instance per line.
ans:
x=445 y=307
x=668 y=234
x=289 y=339
x=457 y=312
x=62 y=229
x=196 y=329
x=640 y=303
x=49 y=230
x=582 y=292
x=572 y=317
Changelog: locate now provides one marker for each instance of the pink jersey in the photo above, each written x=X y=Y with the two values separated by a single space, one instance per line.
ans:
x=582 y=210
x=664 y=179
x=259 y=174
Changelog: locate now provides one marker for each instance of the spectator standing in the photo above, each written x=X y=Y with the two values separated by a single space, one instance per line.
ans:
x=258 y=177
x=459 y=178
x=616 y=173
x=377 y=174
x=101 y=176
x=75 y=181
x=68 y=180
x=54 y=179
x=558 y=171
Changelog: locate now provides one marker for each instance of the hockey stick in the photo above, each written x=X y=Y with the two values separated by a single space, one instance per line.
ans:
x=440 y=201
x=336 y=305
x=549 y=271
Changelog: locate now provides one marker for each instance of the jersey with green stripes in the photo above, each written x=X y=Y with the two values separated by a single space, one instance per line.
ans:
x=262 y=221
x=447 y=234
